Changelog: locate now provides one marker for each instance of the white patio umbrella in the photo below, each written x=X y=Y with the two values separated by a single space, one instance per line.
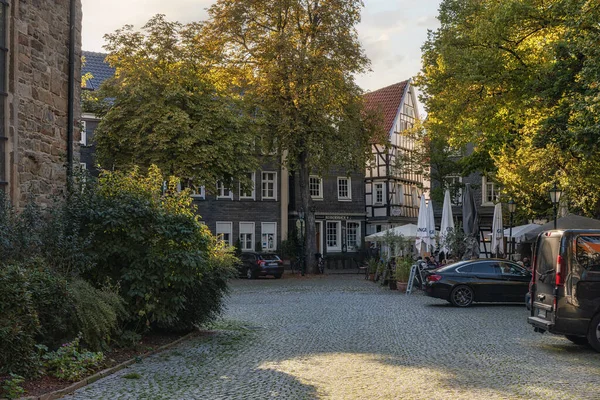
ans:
x=447 y=222
x=497 y=231
x=431 y=225
x=422 y=230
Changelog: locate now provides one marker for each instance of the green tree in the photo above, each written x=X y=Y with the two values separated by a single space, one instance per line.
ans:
x=165 y=106
x=296 y=60
x=518 y=80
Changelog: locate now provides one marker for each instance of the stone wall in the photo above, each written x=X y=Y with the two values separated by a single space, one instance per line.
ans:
x=38 y=87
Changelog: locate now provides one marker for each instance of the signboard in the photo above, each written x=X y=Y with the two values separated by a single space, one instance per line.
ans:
x=411 y=278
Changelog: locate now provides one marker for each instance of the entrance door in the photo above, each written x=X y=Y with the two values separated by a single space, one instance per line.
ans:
x=318 y=226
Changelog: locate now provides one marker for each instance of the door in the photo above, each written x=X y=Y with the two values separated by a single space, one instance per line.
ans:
x=487 y=281
x=516 y=282
x=547 y=251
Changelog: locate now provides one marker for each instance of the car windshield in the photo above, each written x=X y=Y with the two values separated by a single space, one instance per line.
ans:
x=269 y=257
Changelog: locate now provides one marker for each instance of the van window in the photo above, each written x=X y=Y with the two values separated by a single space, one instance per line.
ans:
x=588 y=252
x=547 y=254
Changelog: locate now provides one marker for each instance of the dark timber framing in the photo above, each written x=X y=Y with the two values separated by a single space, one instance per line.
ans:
x=3 y=92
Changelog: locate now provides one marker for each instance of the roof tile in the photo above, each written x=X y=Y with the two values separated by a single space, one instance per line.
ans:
x=387 y=100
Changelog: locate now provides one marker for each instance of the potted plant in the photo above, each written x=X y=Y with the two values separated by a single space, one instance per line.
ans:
x=372 y=266
x=402 y=272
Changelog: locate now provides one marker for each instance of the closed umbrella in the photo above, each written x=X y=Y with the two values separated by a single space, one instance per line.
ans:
x=422 y=230
x=470 y=223
x=431 y=225
x=447 y=222
x=497 y=231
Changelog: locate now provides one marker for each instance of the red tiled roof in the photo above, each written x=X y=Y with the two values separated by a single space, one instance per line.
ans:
x=387 y=101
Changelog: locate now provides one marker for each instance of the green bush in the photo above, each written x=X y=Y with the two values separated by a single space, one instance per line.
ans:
x=69 y=362
x=11 y=388
x=18 y=323
x=97 y=313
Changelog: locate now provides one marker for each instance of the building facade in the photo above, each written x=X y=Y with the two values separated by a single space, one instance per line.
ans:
x=40 y=44
x=392 y=187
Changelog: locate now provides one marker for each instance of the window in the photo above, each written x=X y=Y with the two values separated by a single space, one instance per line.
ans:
x=269 y=185
x=83 y=133
x=344 y=188
x=454 y=185
x=82 y=166
x=249 y=194
x=223 y=192
x=198 y=192
x=352 y=236
x=223 y=231
x=484 y=268
x=315 y=185
x=490 y=192
x=332 y=235
x=269 y=236
x=587 y=255
x=247 y=236
x=378 y=193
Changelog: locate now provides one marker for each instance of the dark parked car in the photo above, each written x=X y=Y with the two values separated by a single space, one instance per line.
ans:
x=254 y=265
x=565 y=295
x=483 y=280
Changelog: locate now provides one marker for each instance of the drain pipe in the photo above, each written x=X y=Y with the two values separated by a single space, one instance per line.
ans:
x=71 y=94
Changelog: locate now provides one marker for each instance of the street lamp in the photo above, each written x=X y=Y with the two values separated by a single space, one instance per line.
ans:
x=555 y=194
x=512 y=206
x=301 y=220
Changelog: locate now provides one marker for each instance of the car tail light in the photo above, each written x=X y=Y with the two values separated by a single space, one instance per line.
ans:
x=560 y=273
x=433 y=278
x=260 y=263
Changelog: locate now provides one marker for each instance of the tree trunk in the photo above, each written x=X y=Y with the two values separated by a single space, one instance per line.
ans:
x=310 y=237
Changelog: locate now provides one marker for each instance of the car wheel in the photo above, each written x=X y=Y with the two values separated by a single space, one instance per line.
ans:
x=462 y=296
x=277 y=276
x=250 y=274
x=580 y=340
x=594 y=333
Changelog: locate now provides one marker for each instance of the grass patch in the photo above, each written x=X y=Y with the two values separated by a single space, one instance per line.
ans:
x=132 y=375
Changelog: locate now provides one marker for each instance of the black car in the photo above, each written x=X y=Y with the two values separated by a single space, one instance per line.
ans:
x=482 y=280
x=254 y=265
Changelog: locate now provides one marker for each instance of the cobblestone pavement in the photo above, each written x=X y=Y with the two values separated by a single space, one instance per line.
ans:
x=346 y=338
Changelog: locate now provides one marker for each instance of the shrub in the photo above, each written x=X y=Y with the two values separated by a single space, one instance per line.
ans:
x=18 y=323
x=11 y=388
x=70 y=362
x=97 y=313
x=403 y=266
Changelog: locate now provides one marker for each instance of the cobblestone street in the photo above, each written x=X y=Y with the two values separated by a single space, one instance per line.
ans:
x=342 y=337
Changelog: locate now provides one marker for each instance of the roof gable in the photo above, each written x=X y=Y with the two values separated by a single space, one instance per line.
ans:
x=388 y=101
x=97 y=67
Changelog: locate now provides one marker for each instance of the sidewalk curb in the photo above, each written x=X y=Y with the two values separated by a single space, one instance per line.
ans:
x=57 y=394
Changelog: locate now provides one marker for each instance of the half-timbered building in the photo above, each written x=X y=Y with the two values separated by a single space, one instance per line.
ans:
x=392 y=187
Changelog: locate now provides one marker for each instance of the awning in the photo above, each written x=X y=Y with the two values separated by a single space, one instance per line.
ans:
x=408 y=231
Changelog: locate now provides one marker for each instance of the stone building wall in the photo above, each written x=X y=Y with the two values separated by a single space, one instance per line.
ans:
x=38 y=84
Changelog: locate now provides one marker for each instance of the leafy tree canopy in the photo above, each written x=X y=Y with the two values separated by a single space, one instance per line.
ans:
x=166 y=106
x=519 y=80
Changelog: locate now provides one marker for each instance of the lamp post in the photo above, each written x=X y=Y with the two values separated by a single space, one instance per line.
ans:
x=555 y=194
x=512 y=206
x=301 y=220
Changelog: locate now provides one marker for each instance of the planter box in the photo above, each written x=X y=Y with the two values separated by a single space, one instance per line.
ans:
x=401 y=286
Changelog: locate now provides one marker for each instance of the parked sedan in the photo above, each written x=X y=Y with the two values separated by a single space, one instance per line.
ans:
x=483 y=280
x=254 y=265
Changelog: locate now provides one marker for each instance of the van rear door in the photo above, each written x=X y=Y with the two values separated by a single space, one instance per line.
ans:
x=547 y=250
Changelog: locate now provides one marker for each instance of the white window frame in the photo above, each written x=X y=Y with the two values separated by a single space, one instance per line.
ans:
x=82 y=166
x=247 y=228
x=83 y=134
x=228 y=229
x=358 y=236
x=253 y=195
x=338 y=246
x=265 y=231
x=320 y=195
x=263 y=181
x=460 y=191
x=484 y=192
x=200 y=194
x=221 y=188
x=348 y=188
x=377 y=186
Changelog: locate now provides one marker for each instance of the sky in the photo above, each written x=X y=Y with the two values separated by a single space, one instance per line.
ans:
x=392 y=31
